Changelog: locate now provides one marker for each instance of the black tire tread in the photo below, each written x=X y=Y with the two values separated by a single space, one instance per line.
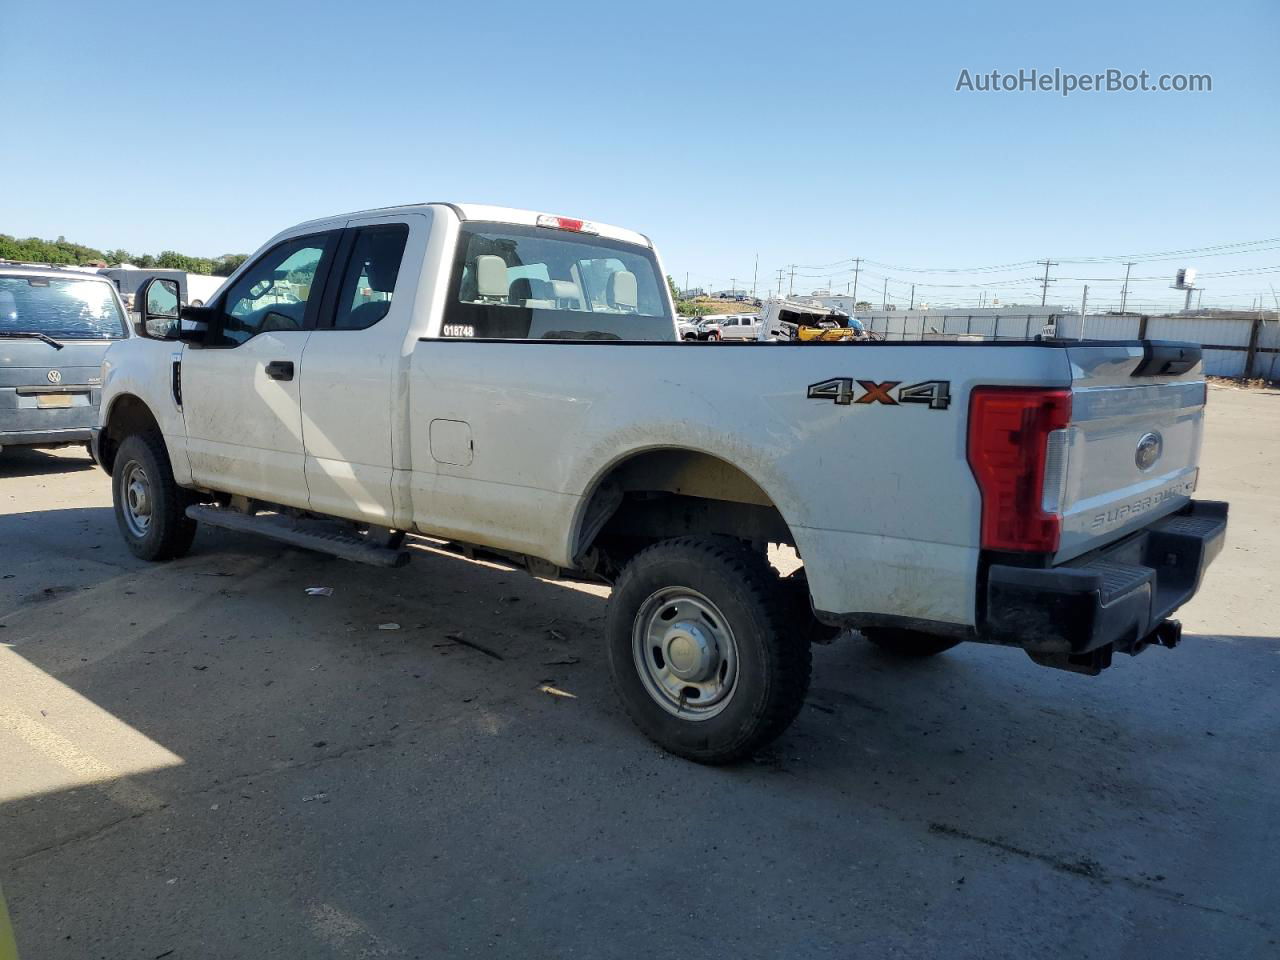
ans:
x=174 y=530
x=792 y=657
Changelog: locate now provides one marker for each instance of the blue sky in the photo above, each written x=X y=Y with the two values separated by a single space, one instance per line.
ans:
x=807 y=132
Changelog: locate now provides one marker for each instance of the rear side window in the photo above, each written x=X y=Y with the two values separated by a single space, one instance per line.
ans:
x=369 y=280
x=533 y=283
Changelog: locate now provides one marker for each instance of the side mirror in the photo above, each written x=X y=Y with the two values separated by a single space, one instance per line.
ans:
x=158 y=303
x=194 y=324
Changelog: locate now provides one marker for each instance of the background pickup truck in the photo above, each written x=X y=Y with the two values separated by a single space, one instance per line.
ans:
x=513 y=381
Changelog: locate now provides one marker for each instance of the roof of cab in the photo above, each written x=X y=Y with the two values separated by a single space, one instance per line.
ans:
x=486 y=212
x=13 y=269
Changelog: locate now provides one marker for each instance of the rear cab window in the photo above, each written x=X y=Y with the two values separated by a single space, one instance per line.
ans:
x=534 y=283
x=61 y=308
x=369 y=277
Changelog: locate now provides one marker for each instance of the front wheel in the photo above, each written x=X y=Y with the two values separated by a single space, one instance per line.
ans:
x=701 y=652
x=150 y=507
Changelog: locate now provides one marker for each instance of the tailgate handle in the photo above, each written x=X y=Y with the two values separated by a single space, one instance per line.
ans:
x=1164 y=358
x=280 y=369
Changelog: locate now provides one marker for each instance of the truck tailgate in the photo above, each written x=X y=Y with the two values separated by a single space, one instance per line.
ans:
x=1131 y=452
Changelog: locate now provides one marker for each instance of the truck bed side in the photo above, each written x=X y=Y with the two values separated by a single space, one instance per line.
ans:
x=883 y=486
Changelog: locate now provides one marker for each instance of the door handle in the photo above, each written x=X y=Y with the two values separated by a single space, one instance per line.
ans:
x=280 y=369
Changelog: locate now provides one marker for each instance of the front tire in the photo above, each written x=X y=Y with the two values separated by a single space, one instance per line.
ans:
x=701 y=652
x=150 y=507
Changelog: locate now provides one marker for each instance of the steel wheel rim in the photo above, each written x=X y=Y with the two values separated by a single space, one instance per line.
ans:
x=136 y=499
x=685 y=653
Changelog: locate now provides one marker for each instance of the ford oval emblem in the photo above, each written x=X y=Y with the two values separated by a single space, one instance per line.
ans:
x=1149 y=449
x=55 y=376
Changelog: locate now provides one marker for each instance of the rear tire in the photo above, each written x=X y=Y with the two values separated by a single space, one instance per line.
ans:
x=908 y=644
x=701 y=651
x=150 y=506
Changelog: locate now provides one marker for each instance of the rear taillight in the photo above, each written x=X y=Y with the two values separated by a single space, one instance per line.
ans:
x=1010 y=431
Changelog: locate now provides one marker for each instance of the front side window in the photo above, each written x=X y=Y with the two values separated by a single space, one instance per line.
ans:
x=369 y=281
x=533 y=283
x=272 y=295
x=62 y=309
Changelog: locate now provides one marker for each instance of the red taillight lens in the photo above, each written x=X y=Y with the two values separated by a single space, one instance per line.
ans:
x=1008 y=443
x=564 y=223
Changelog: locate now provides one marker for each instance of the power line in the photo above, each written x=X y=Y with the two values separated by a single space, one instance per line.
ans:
x=1222 y=249
x=1044 y=284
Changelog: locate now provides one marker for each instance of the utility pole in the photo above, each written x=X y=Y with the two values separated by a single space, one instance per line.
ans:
x=913 y=297
x=791 y=287
x=733 y=286
x=1199 y=298
x=1084 y=298
x=780 y=272
x=1044 y=284
x=884 y=295
x=857 y=262
x=686 y=283
x=755 y=275
x=1124 y=291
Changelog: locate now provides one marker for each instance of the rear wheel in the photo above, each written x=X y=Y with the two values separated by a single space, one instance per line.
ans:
x=909 y=644
x=150 y=507
x=701 y=652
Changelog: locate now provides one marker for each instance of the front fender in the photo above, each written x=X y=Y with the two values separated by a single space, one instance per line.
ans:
x=143 y=369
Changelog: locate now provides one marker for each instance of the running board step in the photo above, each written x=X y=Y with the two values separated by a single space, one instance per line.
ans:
x=323 y=536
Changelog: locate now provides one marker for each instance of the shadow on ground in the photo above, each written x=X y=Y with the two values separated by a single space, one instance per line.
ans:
x=35 y=462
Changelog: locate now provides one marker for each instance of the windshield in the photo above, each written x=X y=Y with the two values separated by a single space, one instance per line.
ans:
x=533 y=283
x=59 y=308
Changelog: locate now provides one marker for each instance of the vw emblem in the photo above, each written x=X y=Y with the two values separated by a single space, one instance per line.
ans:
x=55 y=376
x=1149 y=449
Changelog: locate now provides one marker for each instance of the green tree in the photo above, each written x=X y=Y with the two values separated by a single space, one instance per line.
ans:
x=228 y=263
x=63 y=251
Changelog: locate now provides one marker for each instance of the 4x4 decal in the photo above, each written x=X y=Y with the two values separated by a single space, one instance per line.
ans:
x=841 y=390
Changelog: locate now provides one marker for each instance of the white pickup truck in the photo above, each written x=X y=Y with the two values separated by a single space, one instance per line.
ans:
x=513 y=381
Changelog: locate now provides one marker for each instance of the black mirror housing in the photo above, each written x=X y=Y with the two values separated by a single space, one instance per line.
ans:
x=194 y=324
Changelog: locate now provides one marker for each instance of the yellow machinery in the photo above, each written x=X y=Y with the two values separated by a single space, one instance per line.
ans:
x=826 y=334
